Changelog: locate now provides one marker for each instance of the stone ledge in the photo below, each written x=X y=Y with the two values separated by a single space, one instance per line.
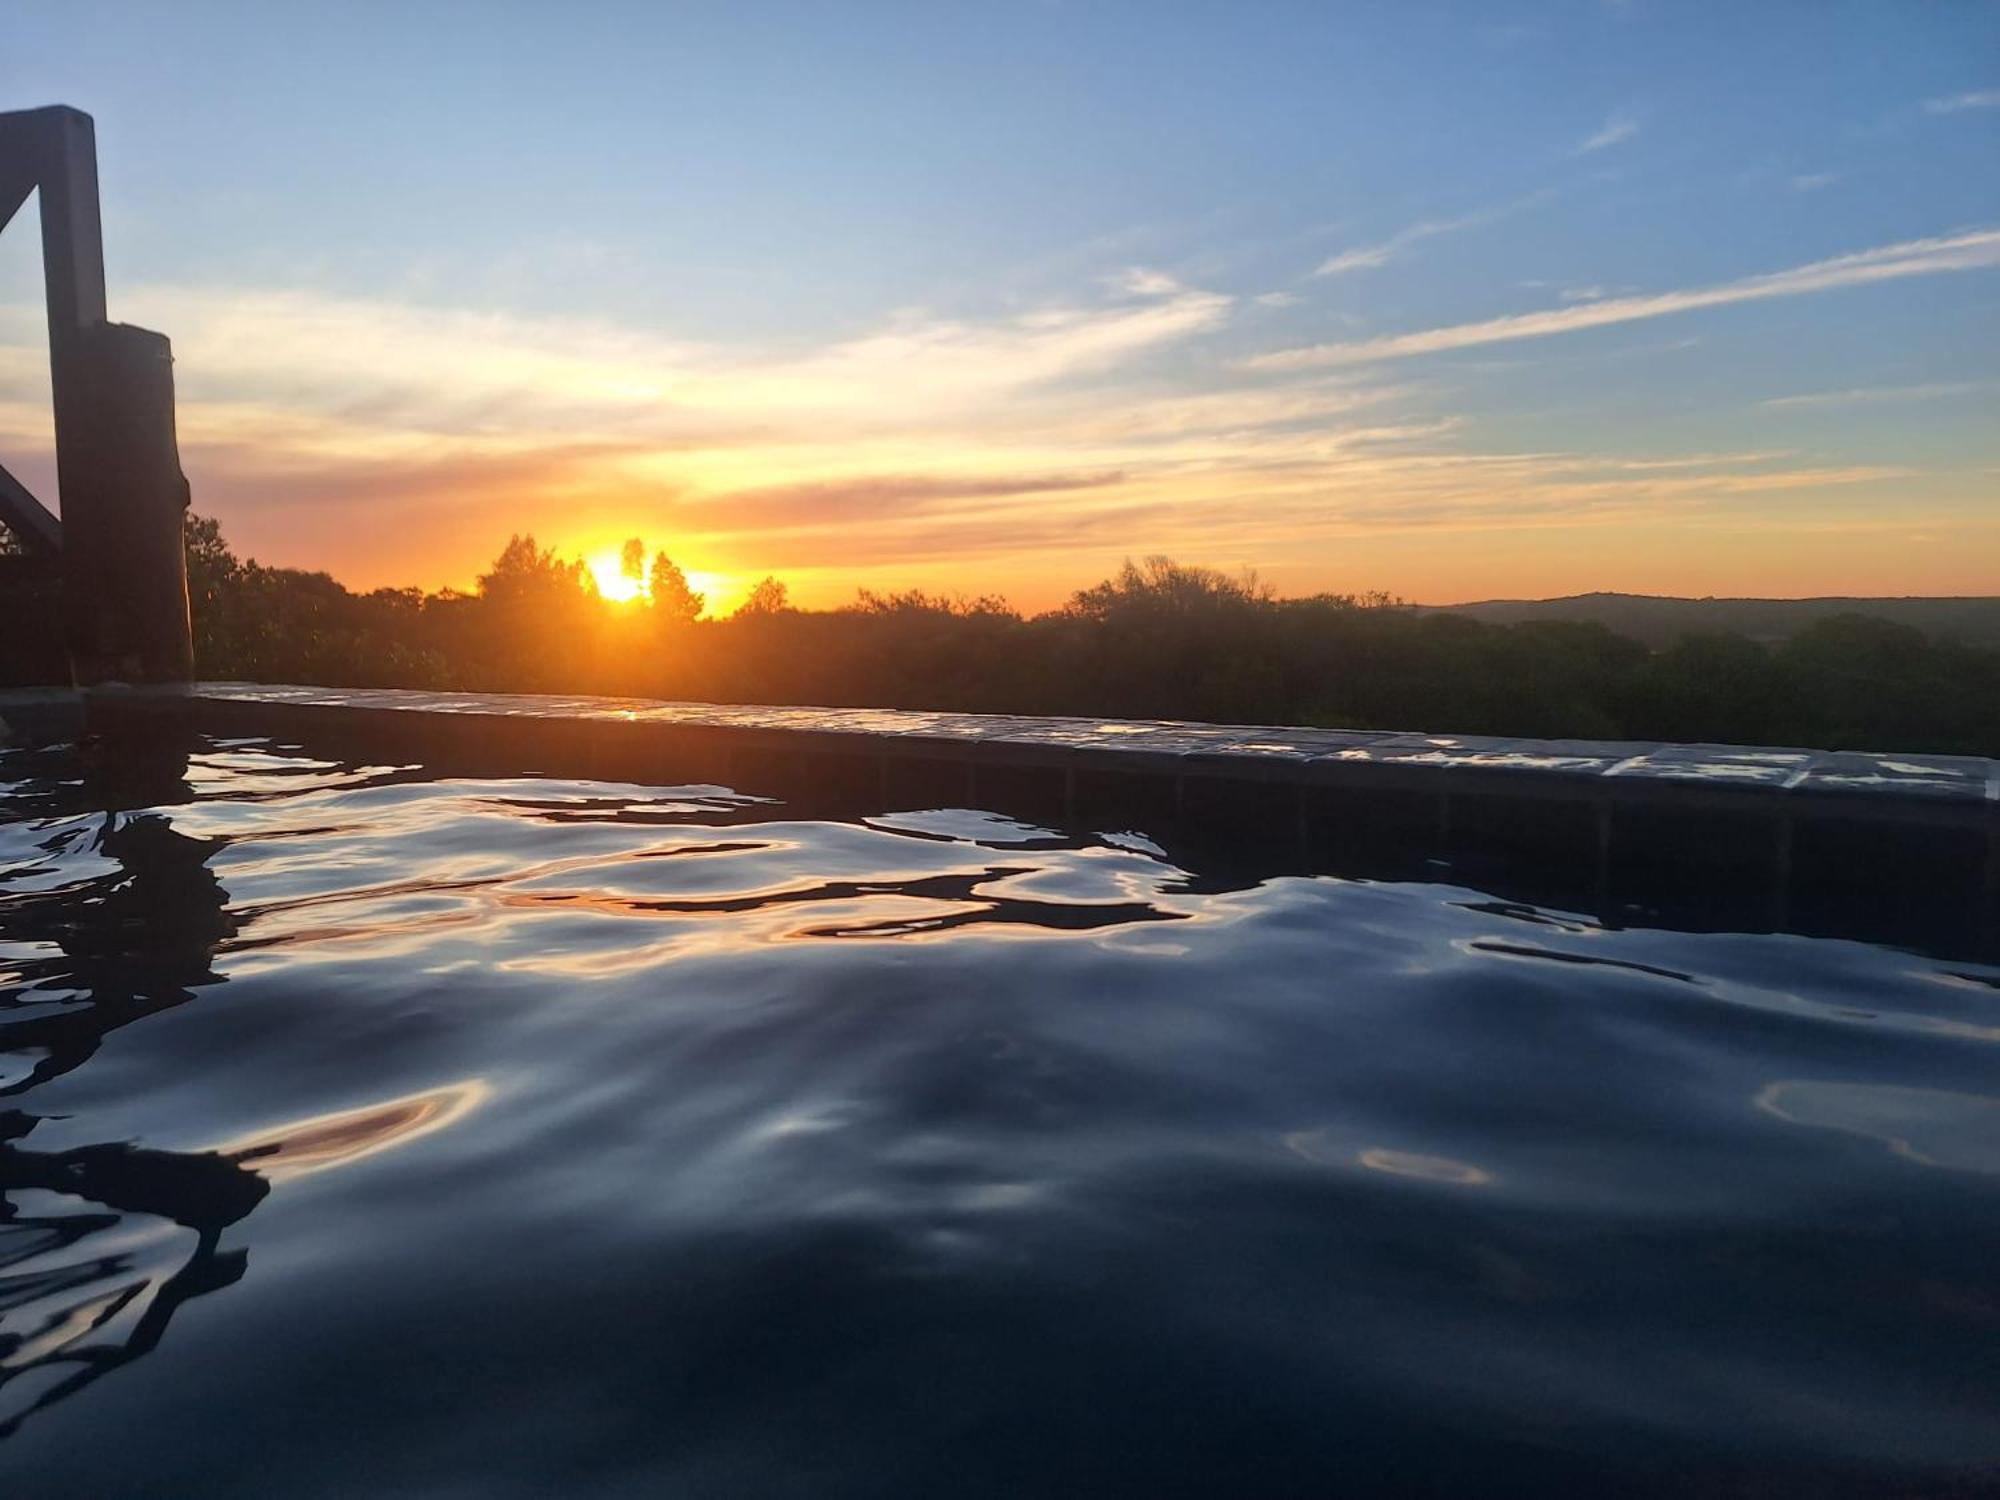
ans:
x=1847 y=783
x=1883 y=847
x=1870 y=786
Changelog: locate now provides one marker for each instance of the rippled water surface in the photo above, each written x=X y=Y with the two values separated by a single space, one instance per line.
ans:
x=371 y=1132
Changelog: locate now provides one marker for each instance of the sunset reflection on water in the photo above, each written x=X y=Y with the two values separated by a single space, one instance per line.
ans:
x=342 y=1136
x=924 y=1150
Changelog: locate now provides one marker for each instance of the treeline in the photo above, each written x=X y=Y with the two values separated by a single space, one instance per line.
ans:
x=1659 y=622
x=1159 y=640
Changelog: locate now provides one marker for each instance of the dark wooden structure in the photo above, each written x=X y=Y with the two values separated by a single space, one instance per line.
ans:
x=99 y=594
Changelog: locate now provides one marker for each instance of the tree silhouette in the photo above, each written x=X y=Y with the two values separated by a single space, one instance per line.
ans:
x=768 y=598
x=1158 y=639
x=674 y=603
x=525 y=573
x=1161 y=586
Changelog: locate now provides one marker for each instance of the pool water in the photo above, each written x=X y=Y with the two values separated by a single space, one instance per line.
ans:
x=368 y=1130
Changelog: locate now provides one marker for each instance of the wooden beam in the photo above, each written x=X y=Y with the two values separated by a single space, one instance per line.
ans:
x=121 y=534
x=33 y=526
x=15 y=185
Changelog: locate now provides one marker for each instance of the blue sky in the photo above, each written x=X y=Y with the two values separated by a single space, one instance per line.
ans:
x=986 y=297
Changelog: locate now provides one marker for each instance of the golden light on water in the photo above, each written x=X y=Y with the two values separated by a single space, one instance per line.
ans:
x=331 y=1140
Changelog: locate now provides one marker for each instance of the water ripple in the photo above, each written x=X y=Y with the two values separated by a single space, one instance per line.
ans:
x=374 y=1131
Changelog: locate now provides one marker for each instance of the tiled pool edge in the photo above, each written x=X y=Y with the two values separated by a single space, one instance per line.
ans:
x=1794 y=832
x=1951 y=790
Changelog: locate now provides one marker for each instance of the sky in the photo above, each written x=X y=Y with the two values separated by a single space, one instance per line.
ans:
x=1453 y=301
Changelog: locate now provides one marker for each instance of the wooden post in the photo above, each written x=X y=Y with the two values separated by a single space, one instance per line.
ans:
x=124 y=499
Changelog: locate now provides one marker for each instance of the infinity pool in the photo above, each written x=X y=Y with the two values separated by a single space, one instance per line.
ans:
x=368 y=1131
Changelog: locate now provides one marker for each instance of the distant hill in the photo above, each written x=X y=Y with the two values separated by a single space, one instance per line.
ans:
x=1658 y=620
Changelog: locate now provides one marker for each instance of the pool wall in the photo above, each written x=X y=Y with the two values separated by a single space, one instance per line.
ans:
x=1884 y=846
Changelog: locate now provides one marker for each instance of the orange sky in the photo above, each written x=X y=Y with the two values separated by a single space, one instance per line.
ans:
x=1027 y=453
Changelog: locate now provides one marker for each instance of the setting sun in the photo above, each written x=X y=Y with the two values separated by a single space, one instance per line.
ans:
x=613 y=582
x=720 y=591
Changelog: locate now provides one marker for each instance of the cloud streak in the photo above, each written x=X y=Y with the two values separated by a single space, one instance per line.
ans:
x=397 y=443
x=1866 y=395
x=1619 y=127
x=1976 y=250
x=1958 y=103
x=869 y=497
x=1372 y=257
x=454 y=369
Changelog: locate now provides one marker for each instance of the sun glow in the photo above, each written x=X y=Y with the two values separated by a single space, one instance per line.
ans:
x=720 y=591
x=613 y=582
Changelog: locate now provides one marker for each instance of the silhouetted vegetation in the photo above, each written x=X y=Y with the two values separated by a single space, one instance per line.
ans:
x=1659 y=622
x=1159 y=640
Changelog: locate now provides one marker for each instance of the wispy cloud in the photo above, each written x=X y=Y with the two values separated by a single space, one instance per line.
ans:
x=1370 y=257
x=1619 y=127
x=868 y=497
x=1870 y=394
x=1975 y=250
x=1143 y=281
x=1953 y=104
x=1807 y=182
x=444 y=369
x=395 y=443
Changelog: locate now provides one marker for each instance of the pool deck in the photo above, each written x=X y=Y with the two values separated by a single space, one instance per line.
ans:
x=1846 y=829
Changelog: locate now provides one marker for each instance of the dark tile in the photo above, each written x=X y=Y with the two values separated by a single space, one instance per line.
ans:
x=1383 y=834
x=1538 y=849
x=1033 y=794
x=914 y=784
x=1889 y=882
x=1702 y=867
x=830 y=784
x=1137 y=801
